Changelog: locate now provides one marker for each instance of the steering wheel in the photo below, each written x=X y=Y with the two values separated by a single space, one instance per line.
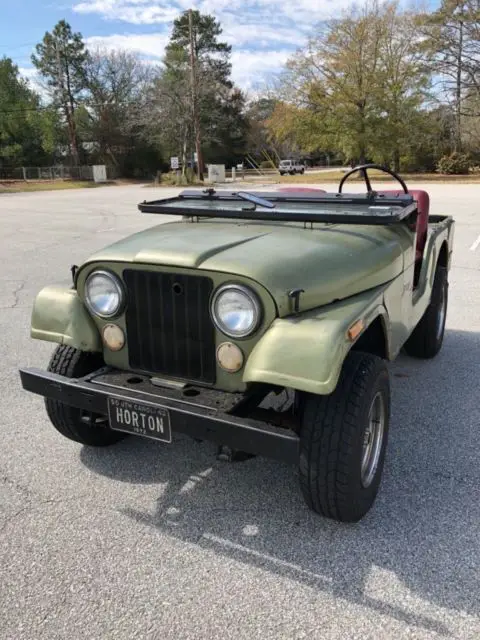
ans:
x=363 y=168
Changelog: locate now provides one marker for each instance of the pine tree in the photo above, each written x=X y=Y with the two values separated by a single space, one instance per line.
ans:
x=60 y=59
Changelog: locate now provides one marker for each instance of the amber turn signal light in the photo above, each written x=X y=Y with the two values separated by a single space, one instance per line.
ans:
x=113 y=337
x=230 y=357
x=355 y=330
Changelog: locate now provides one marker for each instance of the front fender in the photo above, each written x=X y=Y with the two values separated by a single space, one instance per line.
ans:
x=306 y=352
x=59 y=316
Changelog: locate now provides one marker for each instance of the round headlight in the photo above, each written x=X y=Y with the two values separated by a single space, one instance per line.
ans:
x=236 y=311
x=103 y=294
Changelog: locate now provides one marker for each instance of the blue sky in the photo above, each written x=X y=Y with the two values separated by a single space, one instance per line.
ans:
x=263 y=32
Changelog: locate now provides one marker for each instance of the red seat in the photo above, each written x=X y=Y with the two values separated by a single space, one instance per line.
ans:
x=423 y=204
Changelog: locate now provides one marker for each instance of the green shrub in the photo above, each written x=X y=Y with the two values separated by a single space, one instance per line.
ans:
x=190 y=175
x=167 y=178
x=418 y=162
x=172 y=179
x=456 y=163
x=266 y=164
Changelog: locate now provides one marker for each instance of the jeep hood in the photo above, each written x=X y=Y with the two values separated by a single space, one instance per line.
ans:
x=329 y=262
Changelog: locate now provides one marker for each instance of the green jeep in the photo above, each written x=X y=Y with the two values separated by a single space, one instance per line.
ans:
x=262 y=322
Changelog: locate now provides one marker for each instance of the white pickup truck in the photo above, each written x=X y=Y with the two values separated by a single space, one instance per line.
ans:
x=291 y=167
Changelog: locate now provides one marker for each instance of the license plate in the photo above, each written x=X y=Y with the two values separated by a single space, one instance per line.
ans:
x=141 y=419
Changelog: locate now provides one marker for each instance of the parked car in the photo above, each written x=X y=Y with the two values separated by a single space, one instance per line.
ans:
x=262 y=322
x=291 y=166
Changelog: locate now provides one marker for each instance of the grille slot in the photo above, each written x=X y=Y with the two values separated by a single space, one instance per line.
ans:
x=169 y=329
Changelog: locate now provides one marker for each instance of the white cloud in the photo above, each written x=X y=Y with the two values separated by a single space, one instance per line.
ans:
x=150 y=11
x=263 y=33
x=249 y=68
x=147 y=44
x=30 y=73
x=36 y=83
x=132 y=11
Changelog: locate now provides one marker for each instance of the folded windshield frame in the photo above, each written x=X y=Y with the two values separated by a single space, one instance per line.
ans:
x=339 y=208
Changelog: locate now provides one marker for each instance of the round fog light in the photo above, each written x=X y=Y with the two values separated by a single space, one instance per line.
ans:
x=229 y=357
x=113 y=337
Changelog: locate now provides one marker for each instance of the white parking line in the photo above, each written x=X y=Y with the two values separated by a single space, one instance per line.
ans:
x=264 y=556
x=476 y=244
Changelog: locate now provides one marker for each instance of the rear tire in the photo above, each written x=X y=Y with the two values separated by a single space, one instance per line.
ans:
x=427 y=338
x=343 y=439
x=70 y=422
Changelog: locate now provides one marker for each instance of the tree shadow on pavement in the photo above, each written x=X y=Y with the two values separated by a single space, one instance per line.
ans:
x=423 y=532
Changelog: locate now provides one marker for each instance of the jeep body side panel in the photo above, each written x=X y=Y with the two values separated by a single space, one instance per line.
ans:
x=59 y=316
x=440 y=232
x=307 y=352
x=406 y=304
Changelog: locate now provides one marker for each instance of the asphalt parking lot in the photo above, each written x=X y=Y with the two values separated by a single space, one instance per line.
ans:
x=151 y=541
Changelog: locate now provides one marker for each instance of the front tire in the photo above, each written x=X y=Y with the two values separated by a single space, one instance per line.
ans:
x=70 y=422
x=426 y=339
x=343 y=439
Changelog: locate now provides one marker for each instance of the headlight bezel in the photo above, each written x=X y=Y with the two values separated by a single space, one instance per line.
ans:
x=252 y=297
x=120 y=290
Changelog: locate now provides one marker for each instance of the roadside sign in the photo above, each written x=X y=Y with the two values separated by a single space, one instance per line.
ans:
x=174 y=162
x=99 y=173
x=216 y=173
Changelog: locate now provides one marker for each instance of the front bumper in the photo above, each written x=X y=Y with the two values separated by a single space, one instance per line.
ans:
x=203 y=414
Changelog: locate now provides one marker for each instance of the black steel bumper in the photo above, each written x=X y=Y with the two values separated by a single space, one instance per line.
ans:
x=202 y=414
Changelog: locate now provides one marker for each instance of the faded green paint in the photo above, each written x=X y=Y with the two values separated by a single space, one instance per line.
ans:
x=348 y=273
x=438 y=234
x=327 y=261
x=60 y=316
x=307 y=352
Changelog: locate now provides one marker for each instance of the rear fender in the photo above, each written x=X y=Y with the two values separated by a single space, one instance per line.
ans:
x=306 y=352
x=59 y=316
x=439 y=241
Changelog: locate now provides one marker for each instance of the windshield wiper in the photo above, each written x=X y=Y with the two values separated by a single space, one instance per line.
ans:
x=261 y=202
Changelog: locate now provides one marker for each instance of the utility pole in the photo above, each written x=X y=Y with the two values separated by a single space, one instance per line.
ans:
x=193 y=80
